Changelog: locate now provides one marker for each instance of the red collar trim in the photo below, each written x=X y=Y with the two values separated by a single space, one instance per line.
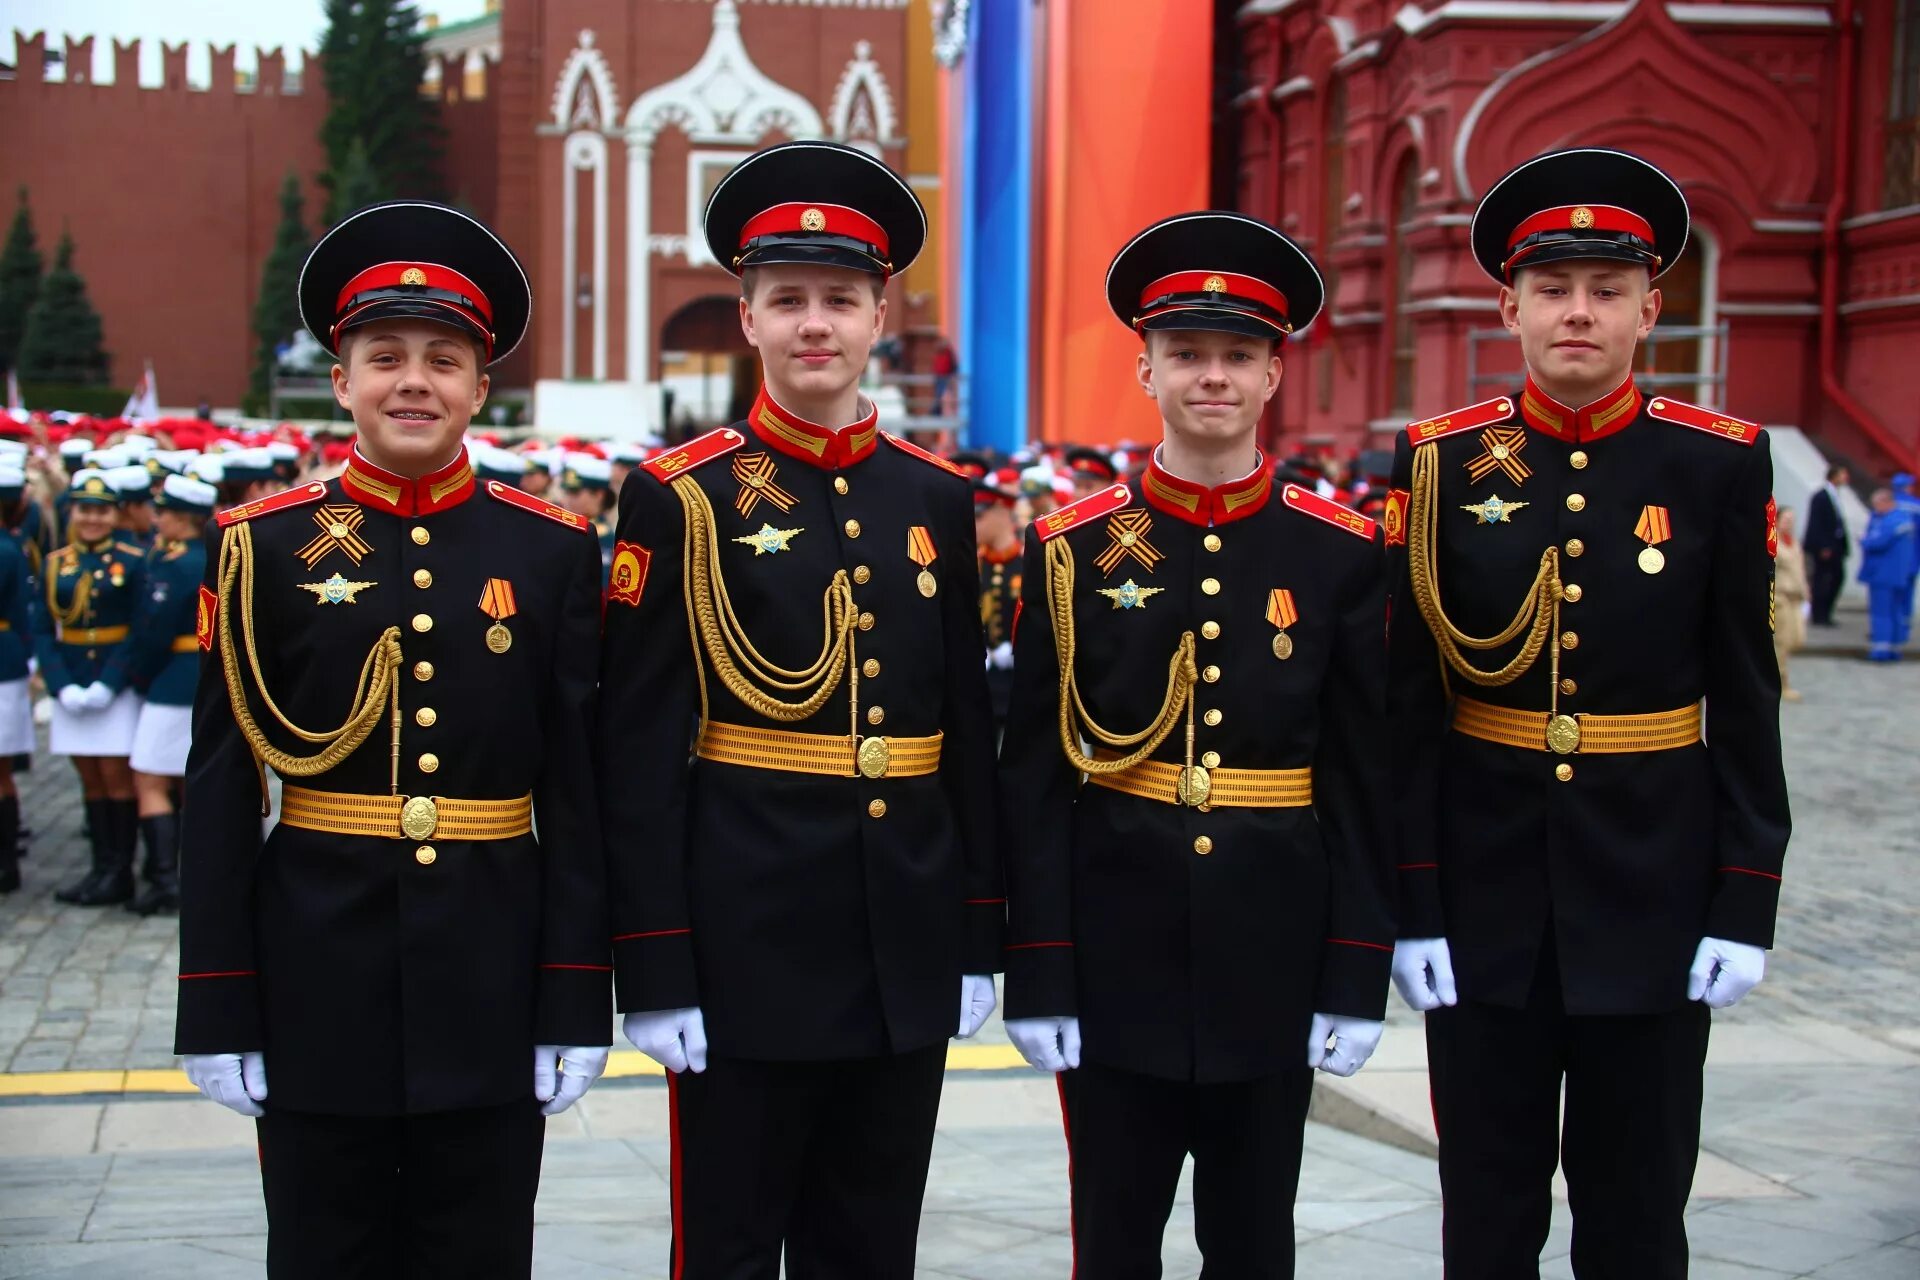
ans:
x=1608 y=414
x=809 y=442
x=1197 y=504
x=396 y=495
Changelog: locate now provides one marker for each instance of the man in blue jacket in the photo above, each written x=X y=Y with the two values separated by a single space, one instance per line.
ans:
x=1887 y=560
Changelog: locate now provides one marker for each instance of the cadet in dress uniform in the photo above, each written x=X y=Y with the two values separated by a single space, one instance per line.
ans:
x=16 y=700
x=1578 y=567
x=1202 y=899
x=83 y=611
x=165 y=666
x=1000 y=564
x=795 y=599
x=414 y=654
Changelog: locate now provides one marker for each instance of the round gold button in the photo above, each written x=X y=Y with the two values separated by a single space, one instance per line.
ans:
x=423 y=622
x=425 y=855
x=420 y=536
x=423 y=671
x=877 y=809
x=337 y=530
x=1564 y=772
x=422 y=579
x=1569 y=686
x=876 y=715
x=1211 y=542
x=1576 y=548
x=1211 y=675
x=429 y=762
x=1213 y=716
x=1579 y=460
x=866 y=622
x=870 y=668
x=1576 y=502
x=426 y=717
x=1129 y=539
x=840 y=486
x=1203 y=845
x=1210 y=630
x=1210 y=586
x=853 y=528
x=1573 y=592
x=1569 y=639
x=1211 y=759
x=862 y=575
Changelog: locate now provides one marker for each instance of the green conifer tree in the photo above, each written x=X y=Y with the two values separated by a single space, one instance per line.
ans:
x=62 y=339
x=373 y=58
x=276 y=312
x=20 y=268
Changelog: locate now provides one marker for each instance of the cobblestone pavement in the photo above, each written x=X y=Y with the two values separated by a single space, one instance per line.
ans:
x=1811 y=1128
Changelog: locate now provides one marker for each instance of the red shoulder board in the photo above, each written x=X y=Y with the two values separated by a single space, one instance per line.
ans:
x=693 y=453
x=1310 y=503
x=1091 y=507
x=1483 y=414
x=296 y=497
x=1708 y=420
x=908 y=446
x=539 y=506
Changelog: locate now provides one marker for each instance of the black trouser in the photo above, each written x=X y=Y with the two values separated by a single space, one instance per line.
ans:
x=827 y=1158
x=1128 y=1136
x=448 y=1193
x=1629 y=1142
x=1826 y=578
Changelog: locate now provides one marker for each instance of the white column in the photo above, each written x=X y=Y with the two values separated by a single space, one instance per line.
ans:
x=639 y=260
x=569 y=255
x=602 y=296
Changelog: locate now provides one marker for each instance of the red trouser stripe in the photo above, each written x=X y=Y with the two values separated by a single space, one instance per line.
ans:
x=1066 y=1127
x=673 y=1144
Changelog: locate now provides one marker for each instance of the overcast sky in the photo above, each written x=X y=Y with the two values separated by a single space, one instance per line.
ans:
x=291 y=24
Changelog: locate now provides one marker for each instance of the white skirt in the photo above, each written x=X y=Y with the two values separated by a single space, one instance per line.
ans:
x=107 y=732
x=16 y=717
x=161 y=739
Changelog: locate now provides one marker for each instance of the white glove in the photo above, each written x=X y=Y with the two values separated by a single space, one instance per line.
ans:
x=237 y=1081
x=674 y=1038
x=575 y=1069
x=74 y=699
x=1048 y=1044
x=1423 y=970
x=1354 y=1040
x=97 y=696
x=1725 y=971
x=1000 y=657
x=976 y=1003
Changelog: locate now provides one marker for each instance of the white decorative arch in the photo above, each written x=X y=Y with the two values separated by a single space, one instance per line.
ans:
x=863 y=113
x=585 y=62
x=723 y=101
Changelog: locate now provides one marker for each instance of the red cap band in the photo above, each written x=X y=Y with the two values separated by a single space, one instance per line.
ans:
x=394 y=275
x=1221 y=282
x=1578 y=218
x=822 y=219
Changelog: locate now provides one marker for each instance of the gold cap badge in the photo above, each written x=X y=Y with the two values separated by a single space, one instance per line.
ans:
x=1582 y=218
x=813 y=220
x=1214 y=284
x=413 y=275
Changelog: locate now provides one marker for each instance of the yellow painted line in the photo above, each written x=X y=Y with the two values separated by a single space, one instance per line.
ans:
x=624 y=1063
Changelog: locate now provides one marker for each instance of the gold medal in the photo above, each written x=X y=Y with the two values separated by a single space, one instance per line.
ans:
x=499 y=639
x=1652 y=560
x=1282 y=645
x=927 y=584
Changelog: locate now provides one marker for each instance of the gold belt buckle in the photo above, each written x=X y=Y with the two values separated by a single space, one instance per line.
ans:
x=875 y=756
x=1563 y=735
x=419 y=818
x=1196 y=786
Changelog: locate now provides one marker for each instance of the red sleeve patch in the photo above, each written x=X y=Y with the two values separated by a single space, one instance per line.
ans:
x=629 y=577
x=205 y=617
x=1773 y=529
x=1394 y=518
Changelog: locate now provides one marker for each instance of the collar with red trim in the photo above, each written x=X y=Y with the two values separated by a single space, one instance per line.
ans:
x=1197 y=504
x=1608 y=414
x=821 y=446
x=396 y=495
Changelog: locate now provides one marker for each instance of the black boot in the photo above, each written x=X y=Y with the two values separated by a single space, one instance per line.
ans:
x=9 y=858
x=112 y=823
x=162 y=835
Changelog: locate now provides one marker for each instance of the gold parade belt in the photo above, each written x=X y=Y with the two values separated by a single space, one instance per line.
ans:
x=93 y=635
x=1587 y=734
x=827 y=755
x=405 y=817
x=1223 y=788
